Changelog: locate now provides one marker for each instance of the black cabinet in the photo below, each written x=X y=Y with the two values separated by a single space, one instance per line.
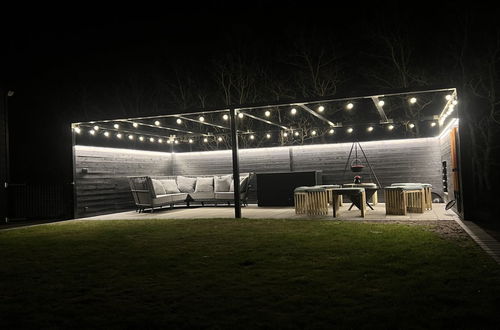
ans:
x=276 y=189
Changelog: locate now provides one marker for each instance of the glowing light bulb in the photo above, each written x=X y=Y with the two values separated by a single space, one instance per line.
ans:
x=321 y=108
x=219 y=139
x=454 y=102
x=267 y=113
x=349 y=106
x=151 y=139
x=252 y=137
x=78 y=130
x=411 y=125
x=390 y=127
x=179 y=121
x=296 y=133
x=381 y=103
x=225 y=117
x=130 y=137
x=169 y=141
x=448 y=97
x=313 y=132
x=268 y=135
x=116 y=126
x=202 y=119
x=135 y=125
x=106 y=134
x=96 y=128
x=350 y=129
x=433 y=124
x=92 y=132
x=370 y=128
x=413 y=100
x=141 y=138
x=285 y=134
x=293 y=111
x=160 y=140
x=176 y=141
x=190 y=141
x=240 y=115
x=157 y=122
x=205 y=140
x=119 y=135
x=331 y=131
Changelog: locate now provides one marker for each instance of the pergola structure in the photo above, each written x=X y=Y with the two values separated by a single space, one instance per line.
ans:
x=404 y=115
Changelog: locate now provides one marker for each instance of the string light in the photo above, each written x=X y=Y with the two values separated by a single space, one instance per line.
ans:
x=96 y=128
x=252 y=137
x=201 y=118
x=160 y=140
x=141 y=138
x=225 y=117
x=205 y=140
x=190 y=141
x=92 y=132
x=157 y=123
x=370 y=128
x=296 y=133
x=390 y=127
x=77 y=130
x=350 y=129
x=331 y=131
x=151 y=139
x=349 y=106
x=130 y=137
x=433 y=124
x=448 y=97
x=135 y=125
x=321 y=108
x=313 y=132
x=381 y=103
x=285 y=134
x=219 y=139
x=455 y=102
x=267 y=113
x=116 y=126
x=176 y=141
x=413 y=100
x=240 y=115
x=411 y=125
x=268 y=135
x=119 y=135
x=179 y=121
x=169 y=141
x=293 y=111
x=106 y=134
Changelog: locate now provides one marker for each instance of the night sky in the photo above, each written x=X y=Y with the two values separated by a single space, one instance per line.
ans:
x=51 y=54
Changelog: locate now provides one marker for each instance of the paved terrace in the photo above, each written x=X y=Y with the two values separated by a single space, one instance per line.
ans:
x=252 y=211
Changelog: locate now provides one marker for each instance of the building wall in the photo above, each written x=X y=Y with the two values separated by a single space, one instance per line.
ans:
x=411 y=160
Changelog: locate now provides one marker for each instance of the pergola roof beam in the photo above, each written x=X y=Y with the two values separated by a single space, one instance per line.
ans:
x=264 y=120
x=317 y=115
x=164 y=127
x=380 y=109
x=203 y=122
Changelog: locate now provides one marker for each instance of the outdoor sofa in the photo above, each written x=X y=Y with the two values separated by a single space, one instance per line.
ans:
x=152 y=192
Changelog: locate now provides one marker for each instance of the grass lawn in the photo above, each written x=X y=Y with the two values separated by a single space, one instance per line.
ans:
x=244 y=274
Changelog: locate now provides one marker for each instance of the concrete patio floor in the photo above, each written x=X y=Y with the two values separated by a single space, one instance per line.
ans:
x=252 y=211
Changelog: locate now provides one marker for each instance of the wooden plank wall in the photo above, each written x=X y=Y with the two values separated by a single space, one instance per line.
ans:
x=445 y=149
x=415 y=160
x=104 y=187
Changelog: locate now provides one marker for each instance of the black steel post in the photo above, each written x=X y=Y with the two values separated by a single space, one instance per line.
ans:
x=236 y=163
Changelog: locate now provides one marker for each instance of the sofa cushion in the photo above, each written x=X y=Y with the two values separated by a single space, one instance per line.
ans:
x=185 y=184
x=204 y=184
x=202 y=196
x=224 y=195
x=158 y=187
x=170 y=186
x=222 y=183
x=243 y=183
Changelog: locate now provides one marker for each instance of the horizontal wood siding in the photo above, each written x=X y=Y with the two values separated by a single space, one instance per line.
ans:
x=101 y=184
x=105 y=188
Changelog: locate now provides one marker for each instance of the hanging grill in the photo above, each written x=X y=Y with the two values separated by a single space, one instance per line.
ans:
x=356 y=165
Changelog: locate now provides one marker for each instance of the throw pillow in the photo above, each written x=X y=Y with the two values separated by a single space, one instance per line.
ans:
x=170 y=186
x=222 y=183
x=243 y=183
x=185 y=184
x=158 y=187
x=204 y=184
